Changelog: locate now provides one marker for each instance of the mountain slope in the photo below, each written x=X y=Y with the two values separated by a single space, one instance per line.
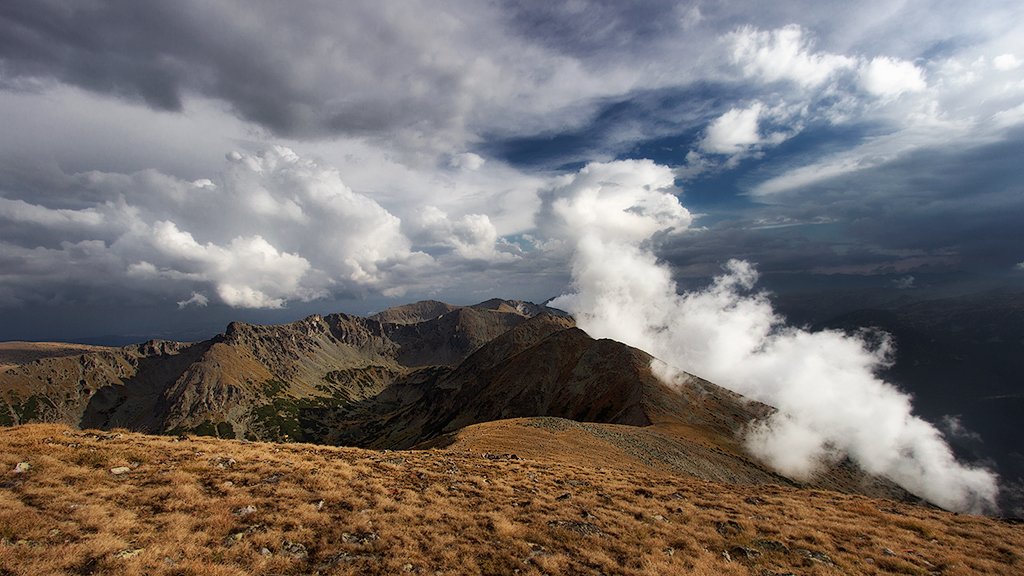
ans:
x=115 y=387
x=451 y=337
x=210 y=506
x=546 y=367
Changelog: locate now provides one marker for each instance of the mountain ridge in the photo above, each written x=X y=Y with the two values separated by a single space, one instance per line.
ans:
x=360 y=381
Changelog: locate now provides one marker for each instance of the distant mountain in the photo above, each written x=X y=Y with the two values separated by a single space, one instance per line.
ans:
x=414 y=313
x=14 y=354
x=412 y=376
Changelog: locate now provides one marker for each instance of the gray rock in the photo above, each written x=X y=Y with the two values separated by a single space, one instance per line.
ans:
x=294 y=549
x=358 y=537
x=770 y=545
x=815 y=556
x=584 y=528
x=245 y=510
x=728 y=528
x=128 y=553
x=744 y=552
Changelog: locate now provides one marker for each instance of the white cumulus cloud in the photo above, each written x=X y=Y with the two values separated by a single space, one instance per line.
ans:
x=1006 y=62
x=248 y=272
x=466 y=161
x=733 y=132
x=784 y=54
x=21 y=211
x=890 y=77
x=270 y=228
x=623 y=201
x=474 y=237
x=470 y=237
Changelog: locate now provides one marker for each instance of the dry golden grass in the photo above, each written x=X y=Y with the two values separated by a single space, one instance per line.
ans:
x=207 y=506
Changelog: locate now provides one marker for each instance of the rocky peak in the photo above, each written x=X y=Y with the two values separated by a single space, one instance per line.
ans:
x=157 y=347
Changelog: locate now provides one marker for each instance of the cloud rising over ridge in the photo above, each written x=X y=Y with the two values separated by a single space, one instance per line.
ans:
x=830 y=402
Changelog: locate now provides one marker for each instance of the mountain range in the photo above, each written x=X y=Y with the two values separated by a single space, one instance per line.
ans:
x=427 y=374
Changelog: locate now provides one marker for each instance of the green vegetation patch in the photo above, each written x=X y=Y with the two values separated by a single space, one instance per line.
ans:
x=206 y=428
x=30 y=410
x=6 y=417
x=284 y=418
x=273 y=387
x=279 y=420
x=225 y=430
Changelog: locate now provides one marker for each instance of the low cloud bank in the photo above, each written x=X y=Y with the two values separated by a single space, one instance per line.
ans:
x=830 y=402
x=271 y=228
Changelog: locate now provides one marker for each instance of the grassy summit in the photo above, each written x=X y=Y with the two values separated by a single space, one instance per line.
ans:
x=125 y=503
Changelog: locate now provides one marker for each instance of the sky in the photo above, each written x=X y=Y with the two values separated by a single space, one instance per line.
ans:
x=169 y=166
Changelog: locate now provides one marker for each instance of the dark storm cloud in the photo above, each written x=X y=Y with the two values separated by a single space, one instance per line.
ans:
x=362 y=67
x=962 y=204
x=600 y=28
x=293 y=71
x=125 y=48
x=365 y=68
